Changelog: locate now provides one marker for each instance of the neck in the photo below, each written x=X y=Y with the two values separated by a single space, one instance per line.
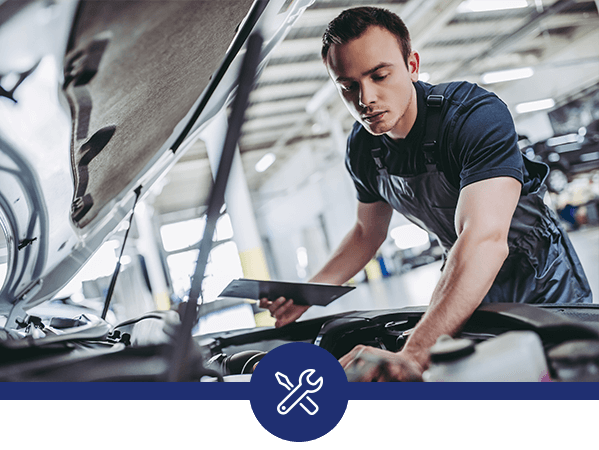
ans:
x=407 y=121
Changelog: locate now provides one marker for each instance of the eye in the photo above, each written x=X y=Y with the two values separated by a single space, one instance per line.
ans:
x=379 y=77
x=348 y=87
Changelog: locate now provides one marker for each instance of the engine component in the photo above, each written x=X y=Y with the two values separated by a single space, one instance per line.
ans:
x=512 y=356
x=241 y=363
x=576 y=360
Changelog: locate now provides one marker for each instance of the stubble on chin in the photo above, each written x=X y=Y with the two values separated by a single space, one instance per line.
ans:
x=404 y=116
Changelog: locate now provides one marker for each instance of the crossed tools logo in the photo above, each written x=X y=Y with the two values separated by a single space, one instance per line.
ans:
x=299 y=392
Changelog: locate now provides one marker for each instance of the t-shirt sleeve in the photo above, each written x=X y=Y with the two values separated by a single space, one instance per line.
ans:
x=485 y=142
x=358 y=167
x=363 y=193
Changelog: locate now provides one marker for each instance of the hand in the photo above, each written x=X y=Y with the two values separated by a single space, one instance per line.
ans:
x=373 y=364
x=282 y=309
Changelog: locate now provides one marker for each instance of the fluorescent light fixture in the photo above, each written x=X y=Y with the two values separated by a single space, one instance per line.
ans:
x=322 y=97
x=424 y=76
x=535 y=106
x=507 y=75
x=589 y=157
x=490 y=5
x=265 y=162
x=562 y=140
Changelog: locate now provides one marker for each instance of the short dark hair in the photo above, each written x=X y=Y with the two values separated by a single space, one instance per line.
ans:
x=352 y=23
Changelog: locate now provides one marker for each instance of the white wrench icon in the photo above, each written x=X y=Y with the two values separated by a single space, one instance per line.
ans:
x=299 y=391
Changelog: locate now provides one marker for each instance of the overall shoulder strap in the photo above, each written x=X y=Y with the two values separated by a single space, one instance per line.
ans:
x=434 y=103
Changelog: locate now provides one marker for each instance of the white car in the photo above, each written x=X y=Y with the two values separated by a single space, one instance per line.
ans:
x=98 y=100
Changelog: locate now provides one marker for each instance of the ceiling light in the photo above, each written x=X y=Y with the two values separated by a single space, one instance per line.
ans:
x=265 y=162
x=535 y=106
x=322 y=97
x=562 y=140
x=490 y=5
x=507 y=75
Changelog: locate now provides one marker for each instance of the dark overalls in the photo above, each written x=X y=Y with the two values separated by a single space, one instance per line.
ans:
x=542 y=266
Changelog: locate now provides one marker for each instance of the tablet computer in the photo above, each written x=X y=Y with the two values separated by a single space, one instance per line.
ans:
x=301 y=293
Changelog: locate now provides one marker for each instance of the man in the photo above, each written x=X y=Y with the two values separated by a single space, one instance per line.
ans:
x=447 y=158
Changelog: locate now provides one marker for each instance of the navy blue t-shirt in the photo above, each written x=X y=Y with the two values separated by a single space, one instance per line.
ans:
x=477 y=141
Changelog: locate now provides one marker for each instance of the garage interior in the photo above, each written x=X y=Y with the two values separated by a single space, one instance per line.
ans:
x=540 y=56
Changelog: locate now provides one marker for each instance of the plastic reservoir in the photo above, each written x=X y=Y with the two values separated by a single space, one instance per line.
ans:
x=512 y=356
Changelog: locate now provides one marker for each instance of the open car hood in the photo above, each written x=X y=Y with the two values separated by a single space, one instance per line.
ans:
x=99 y=99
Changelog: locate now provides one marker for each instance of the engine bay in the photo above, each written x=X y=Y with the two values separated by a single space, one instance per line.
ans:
x=568 y=348
x=563 y=341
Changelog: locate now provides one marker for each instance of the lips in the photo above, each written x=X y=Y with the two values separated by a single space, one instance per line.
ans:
x=374 y=117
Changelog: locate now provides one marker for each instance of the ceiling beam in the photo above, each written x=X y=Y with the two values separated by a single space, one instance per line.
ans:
x=502 y=43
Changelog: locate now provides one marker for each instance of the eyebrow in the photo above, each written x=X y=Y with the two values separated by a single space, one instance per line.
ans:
x=368 y=72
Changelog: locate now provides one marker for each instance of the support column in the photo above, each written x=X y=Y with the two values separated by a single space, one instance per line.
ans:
x=239 y=208
x=147 y=245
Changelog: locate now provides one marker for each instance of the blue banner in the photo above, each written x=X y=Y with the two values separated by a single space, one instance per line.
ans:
x=243 y=391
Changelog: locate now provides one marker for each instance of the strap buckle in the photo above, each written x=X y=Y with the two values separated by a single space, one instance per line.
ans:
x=428 y=148
x=377 y=155
x=435 y=101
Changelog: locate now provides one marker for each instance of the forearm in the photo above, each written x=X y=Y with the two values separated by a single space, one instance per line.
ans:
x=356 y=249
x=351 y=256
x=471 y=268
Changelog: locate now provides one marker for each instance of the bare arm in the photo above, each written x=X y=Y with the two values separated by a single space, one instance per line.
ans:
x=357 y=248
x=359 y=245
x=483 y=217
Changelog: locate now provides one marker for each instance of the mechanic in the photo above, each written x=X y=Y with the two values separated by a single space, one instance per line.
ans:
x=447 y=158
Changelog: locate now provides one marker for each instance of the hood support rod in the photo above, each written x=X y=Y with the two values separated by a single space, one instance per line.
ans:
x=177 y=371
x=117 y=269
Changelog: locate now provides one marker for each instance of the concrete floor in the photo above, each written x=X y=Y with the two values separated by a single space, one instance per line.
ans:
x=415 y=287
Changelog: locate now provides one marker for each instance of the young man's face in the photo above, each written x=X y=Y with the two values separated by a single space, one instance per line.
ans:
x=374 y=82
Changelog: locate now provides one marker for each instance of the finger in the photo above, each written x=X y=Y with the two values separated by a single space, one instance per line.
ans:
x=274 y=306
x=361 y=364
x=265 y=303
x=352 y=355
x=283 y=308
x=363 y=371
x=289 y=314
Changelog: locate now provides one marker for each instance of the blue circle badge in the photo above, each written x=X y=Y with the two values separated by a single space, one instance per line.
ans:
x=299 y=392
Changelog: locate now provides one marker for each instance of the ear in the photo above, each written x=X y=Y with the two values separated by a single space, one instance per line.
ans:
x=414 y=65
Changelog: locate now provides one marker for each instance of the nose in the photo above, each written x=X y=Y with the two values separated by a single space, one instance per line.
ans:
x=367 y=94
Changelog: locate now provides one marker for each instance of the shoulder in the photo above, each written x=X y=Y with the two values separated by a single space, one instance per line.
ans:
x=464 y=93
x=468 y=105
x=462 y=96
x=479 y=134
x=465 y=105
